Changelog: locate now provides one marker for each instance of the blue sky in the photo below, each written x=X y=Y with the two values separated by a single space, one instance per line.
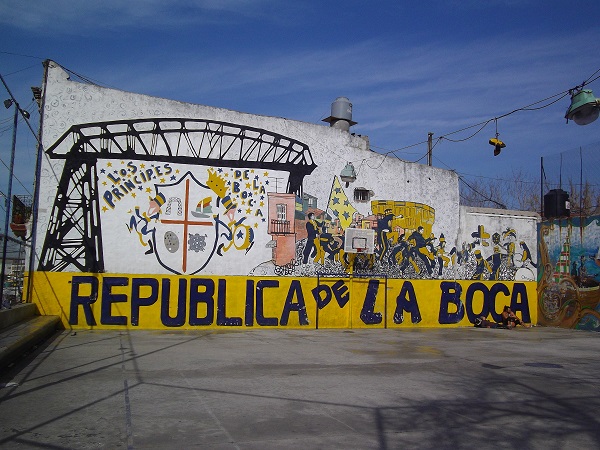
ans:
x=408 y=68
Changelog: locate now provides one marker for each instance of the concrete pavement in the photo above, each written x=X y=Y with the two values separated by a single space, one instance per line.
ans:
x=297 y=389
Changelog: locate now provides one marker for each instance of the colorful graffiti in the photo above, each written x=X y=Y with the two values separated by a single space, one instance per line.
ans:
x=203 y=222
x=569 y=284
x=186 y=210
x=177 y=215
x=406 y=245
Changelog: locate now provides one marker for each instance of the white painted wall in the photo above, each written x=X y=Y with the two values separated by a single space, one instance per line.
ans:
x=68 y=103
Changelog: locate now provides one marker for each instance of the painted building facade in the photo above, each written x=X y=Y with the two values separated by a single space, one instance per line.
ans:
x=160 y=214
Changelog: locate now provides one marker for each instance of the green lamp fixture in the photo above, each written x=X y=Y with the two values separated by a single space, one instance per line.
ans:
x=348 y=174
x=584 y=108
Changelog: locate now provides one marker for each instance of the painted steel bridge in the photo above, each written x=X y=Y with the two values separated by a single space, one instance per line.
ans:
x=74 y=235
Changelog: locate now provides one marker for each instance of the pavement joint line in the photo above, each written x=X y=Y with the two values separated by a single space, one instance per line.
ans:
x=209 y=410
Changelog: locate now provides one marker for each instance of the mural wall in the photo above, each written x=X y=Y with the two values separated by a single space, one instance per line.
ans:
x=569 y=271
x=150 y=202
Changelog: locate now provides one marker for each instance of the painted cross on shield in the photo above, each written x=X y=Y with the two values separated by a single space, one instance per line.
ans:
x=185 y=235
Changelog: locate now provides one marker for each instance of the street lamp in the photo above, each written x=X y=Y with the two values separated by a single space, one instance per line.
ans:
x=348 y=174
x=584 y=108
x=7 y=104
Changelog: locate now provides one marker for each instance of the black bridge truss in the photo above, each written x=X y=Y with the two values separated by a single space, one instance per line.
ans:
x=74 y=236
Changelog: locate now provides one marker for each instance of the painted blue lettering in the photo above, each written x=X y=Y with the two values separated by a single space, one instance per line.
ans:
x=451 y=295
x=117 y=194
x=137 y=300
x=367 y=315
x=165 y=318
x=85 y=301
x=491 y=307
x=108 y=298
x=322 y=302
x=222 y=318
x=260 y=318
x=249 y=313
x=294 y=291
x=108 y=198
x=206 y=297
x=129 y=185
x=520 y=291
x=341 y=292
x=470 y=294
x=407 y=301
x=112 y=178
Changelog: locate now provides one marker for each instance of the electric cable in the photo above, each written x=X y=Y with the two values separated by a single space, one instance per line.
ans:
x=529 y=107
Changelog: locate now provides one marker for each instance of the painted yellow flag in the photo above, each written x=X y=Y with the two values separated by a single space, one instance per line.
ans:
x=340 y=205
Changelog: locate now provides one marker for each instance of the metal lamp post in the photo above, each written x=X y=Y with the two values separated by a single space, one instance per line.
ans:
x=8 y=104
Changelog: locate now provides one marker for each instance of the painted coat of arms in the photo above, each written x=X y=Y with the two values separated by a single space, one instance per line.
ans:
x=181 y=225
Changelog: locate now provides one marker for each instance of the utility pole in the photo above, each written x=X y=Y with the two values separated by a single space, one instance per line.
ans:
x=8 y=104
x=429 y=147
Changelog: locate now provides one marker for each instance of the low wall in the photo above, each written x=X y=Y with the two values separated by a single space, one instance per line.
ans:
x=124 y=301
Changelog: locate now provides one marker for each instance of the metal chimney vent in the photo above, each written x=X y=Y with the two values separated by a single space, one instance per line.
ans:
x=341 y=114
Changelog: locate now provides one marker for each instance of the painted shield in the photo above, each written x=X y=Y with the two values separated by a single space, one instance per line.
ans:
x=185 y=235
